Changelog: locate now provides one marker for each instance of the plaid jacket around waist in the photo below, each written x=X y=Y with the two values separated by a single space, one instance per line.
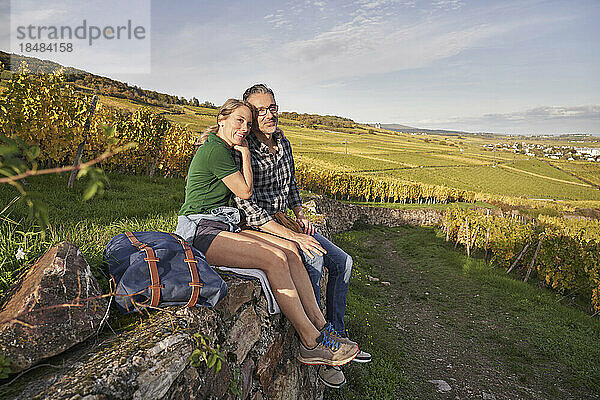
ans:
x=275 y=186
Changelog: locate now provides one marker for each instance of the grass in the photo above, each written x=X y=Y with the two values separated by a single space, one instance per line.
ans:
x=131 y=203
x=509 y=325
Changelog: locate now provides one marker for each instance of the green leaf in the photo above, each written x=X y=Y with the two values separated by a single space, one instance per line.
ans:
x=211 y=361
x=82 y=172
x=90 y=191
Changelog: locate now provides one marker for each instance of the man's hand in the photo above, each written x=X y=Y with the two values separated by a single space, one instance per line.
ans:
x=306 y=226
x=308 y=244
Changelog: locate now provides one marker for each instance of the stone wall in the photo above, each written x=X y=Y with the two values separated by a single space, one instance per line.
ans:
x=152 y=360
x=340 y=217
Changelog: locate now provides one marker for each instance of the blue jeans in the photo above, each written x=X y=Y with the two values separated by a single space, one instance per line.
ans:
x=339 y=266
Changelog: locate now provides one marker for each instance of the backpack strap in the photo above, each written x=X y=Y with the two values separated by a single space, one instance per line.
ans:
x=191 y=263
x=152 y=261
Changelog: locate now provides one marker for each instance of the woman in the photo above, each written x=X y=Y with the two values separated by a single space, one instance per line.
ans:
x=212 y=179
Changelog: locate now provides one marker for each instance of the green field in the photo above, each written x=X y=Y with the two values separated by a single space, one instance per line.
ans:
x=582 y=169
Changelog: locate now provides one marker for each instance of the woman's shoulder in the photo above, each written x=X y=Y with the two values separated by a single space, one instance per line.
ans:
x=214 y=145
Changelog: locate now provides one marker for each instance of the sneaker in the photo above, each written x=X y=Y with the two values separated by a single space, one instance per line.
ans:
x=328 y=350
x=330 y=330
x=332 y=377
x=362 y=357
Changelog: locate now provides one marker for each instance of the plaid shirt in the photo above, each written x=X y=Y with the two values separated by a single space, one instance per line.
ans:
x=274 y=176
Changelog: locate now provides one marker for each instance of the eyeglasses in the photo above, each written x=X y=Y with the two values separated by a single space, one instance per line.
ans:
x=263 y=111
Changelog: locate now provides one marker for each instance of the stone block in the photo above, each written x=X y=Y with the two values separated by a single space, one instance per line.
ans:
x=247 y=372
x=216 y=385
x=268 y=362
x=52 y=308
x=286 y=384
x=244 y=333
x=240 y=292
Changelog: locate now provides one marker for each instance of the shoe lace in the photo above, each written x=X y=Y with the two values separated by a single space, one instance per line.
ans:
x=331 y=331
x=330 y=342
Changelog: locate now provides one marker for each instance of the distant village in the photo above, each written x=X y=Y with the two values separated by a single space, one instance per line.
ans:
x=570 y=153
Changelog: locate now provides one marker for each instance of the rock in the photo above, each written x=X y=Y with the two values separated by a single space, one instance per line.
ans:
x=52 y=308
x=386 y=283
x=239 y=293
x=187 y=386
x=217 y=384
x=441 y=386
x=268 y=362
x=151 y=361
x=257 y=396
x=164 y=362
x=247 y=372
x=285 y=384
x=151 y=358
x=310 y=206
x=488 y=396
x=372 y=278
x=244 y=333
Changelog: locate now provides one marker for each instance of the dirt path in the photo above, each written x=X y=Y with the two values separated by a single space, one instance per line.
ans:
x=458 y=329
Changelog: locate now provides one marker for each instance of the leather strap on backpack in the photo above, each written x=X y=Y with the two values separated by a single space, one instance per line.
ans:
x=191 y=263
x=152 y=261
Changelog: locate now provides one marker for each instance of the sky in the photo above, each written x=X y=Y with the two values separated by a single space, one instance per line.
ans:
x=528 y=67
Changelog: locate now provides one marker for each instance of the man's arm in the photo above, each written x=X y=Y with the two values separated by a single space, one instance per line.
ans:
x=258 y=218
x=295 y=200
x=307 y=243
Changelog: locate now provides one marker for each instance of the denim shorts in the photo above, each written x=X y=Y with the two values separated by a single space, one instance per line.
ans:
x=206 y=231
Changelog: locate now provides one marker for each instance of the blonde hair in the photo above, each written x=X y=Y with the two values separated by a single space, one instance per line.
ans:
x=225 y=111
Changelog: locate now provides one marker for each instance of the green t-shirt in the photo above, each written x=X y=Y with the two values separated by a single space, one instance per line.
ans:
x=204 y=189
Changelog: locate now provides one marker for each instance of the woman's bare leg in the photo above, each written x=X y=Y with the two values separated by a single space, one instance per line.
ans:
x=243 y=251
x=298 y=273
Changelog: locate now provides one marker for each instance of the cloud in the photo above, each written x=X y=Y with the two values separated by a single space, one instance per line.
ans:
x=591 y=112
x=369 y=45
x=447 y=4
x=544 y=119
x=277 y=19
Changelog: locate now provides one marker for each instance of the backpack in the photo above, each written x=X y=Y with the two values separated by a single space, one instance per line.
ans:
x=159 y=269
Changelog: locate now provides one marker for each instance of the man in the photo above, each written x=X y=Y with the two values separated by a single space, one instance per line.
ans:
x=276 y=190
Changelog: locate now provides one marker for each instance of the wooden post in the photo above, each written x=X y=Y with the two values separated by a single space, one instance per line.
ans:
x=86 y=128
x=458 y=235
x=468 y=239
x=155 y=162
x=474 y=237
x=533 y=260
x=518 y=258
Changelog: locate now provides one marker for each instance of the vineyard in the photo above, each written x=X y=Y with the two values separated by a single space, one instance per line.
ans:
x=564 y=253
x=43 y=110
x=368 y=165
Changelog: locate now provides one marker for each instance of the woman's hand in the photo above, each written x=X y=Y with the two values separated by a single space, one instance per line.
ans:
x=308 y=245
x=242 y=147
